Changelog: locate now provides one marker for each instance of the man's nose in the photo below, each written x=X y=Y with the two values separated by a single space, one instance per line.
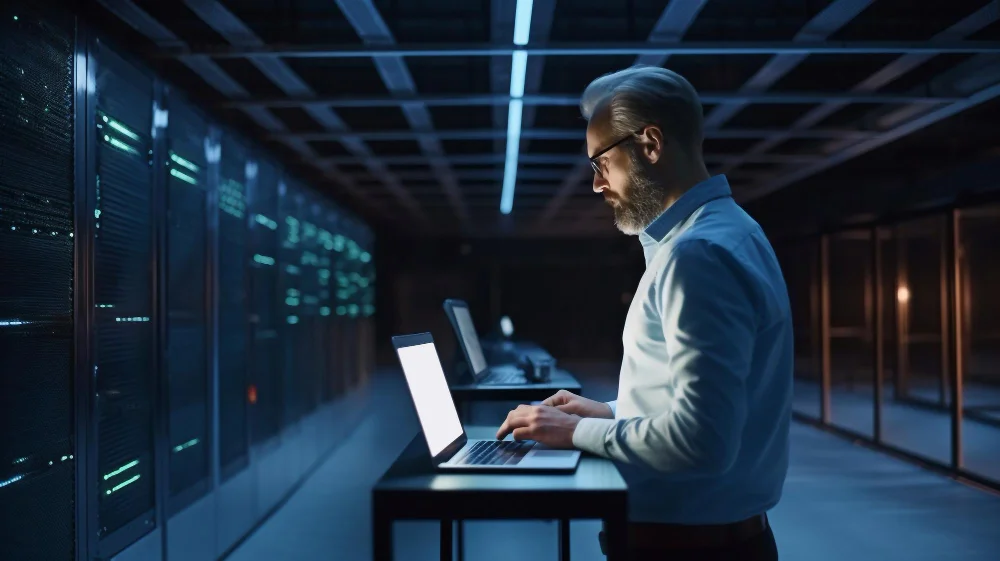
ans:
x=600 y=184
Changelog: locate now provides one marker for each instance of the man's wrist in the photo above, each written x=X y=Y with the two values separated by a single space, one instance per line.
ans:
x=613 y=406
x=589 y=435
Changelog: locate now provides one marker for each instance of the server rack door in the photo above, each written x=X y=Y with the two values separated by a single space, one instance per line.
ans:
x=187 y=305
x=37 y=463
x=124 y=359
x=327 y=344
x=265 y=392
x=313 y=272
x=291 y=281
x=235 y=171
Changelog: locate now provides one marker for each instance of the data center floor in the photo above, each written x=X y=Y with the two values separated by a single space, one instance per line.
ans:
x=841 y=501
x=921 y=430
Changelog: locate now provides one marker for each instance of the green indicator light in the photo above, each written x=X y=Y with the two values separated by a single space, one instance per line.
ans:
x=183 y=177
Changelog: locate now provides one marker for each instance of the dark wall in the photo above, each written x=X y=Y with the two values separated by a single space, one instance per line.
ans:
x=569 y=295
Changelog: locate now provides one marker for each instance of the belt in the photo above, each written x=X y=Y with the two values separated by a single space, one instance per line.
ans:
x=653 y=536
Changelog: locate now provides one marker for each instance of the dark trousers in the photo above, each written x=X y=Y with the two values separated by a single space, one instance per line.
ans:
x=761 y=547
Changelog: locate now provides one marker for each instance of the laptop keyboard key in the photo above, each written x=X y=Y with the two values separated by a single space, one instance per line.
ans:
x=497 y=453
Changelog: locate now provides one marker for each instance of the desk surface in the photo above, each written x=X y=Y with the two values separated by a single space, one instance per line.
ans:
x=416 y=490
x=560 y=380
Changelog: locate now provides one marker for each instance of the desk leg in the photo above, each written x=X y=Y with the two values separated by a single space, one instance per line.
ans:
x=615 y=536
x=446 y=542
x=460 y=539
x=381 y=536
x=563 y=539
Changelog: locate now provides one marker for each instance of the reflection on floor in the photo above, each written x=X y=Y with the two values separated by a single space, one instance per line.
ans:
x=920 y=430
x=841 y=502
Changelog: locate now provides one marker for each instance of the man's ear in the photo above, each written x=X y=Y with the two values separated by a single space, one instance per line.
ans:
x=652 y=143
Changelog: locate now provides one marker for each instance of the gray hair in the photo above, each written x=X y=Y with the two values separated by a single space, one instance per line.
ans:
x=647 y=95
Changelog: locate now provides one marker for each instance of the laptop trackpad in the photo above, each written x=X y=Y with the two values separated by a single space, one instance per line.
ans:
x=550 y=454
x=543 y=457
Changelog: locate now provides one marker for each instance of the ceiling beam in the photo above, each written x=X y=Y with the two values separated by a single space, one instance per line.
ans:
x=230 y=27
x=557 y=159
x=887 y=74
x=555 y=134
x=670 y=28
x=209 y=71
x=819 y=28
x=485 y=175
x=786 y=98
x=370 y=26
x=589 y=49
x=866 y=146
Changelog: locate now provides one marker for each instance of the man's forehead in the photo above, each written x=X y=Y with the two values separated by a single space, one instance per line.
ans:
x=598 y=129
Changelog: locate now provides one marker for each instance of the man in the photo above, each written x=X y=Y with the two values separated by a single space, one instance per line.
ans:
x=700 y=427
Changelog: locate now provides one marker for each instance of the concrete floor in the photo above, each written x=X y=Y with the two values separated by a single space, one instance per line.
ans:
x=841 y=501
x=920 y=430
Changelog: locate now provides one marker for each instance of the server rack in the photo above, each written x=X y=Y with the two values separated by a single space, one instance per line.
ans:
x=124 y=354
x=135 y=352
x=237 y=170
x=37 y=454
x=185 y=172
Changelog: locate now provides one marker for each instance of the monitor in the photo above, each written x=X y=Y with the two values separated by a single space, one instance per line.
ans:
x=465 y=330
x=429 y=389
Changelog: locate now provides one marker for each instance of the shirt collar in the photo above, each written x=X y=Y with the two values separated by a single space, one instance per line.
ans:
x=715 y=187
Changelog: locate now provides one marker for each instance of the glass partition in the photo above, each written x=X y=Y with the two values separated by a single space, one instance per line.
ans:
x=980 y=236
x=915 y=411
x=850 y=332
x=935 y=286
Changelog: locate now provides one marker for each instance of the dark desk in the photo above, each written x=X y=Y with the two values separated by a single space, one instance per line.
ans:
x=412 y=490
x=560 y=380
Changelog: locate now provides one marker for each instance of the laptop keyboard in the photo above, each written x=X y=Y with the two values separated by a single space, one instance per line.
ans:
x=496 y=453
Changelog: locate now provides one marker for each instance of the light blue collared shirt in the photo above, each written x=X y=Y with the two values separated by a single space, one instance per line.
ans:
x=701 y=423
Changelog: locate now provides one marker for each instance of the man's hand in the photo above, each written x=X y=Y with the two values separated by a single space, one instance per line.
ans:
x=569 y=402
x=540 y=423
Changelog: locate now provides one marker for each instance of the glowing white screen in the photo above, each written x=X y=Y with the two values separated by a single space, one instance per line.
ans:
x=431 y=396
x=506 y=326
x=470 y=339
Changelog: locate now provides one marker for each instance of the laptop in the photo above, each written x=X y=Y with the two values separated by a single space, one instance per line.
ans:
x=449 y=446
x=465 y=331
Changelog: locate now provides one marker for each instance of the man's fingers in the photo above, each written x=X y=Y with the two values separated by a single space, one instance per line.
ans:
x=558 y=398
x=515 y=419
x=502 y=432
x=504 y=427
x=523 y=433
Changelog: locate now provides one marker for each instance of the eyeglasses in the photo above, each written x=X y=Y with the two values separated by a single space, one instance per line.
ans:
x=593 y=159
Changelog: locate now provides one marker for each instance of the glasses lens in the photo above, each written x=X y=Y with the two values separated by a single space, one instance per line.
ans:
x=595 y=167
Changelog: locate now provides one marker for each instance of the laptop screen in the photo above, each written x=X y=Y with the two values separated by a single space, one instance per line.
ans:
x=431 y=396
x=470 y=340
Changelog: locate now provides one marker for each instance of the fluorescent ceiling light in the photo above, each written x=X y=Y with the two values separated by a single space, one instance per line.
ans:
x=513 y=147
x=518 y=70
x=522 y=22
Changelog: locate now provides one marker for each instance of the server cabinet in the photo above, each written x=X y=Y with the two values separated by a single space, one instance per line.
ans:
x=291 y=283
x=187 y=302
x=124 y=363
x=236 y=170
x=265 y=389
x=37 y=459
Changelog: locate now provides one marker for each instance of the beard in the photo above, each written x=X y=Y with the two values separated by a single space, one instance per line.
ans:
x=642 y=200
